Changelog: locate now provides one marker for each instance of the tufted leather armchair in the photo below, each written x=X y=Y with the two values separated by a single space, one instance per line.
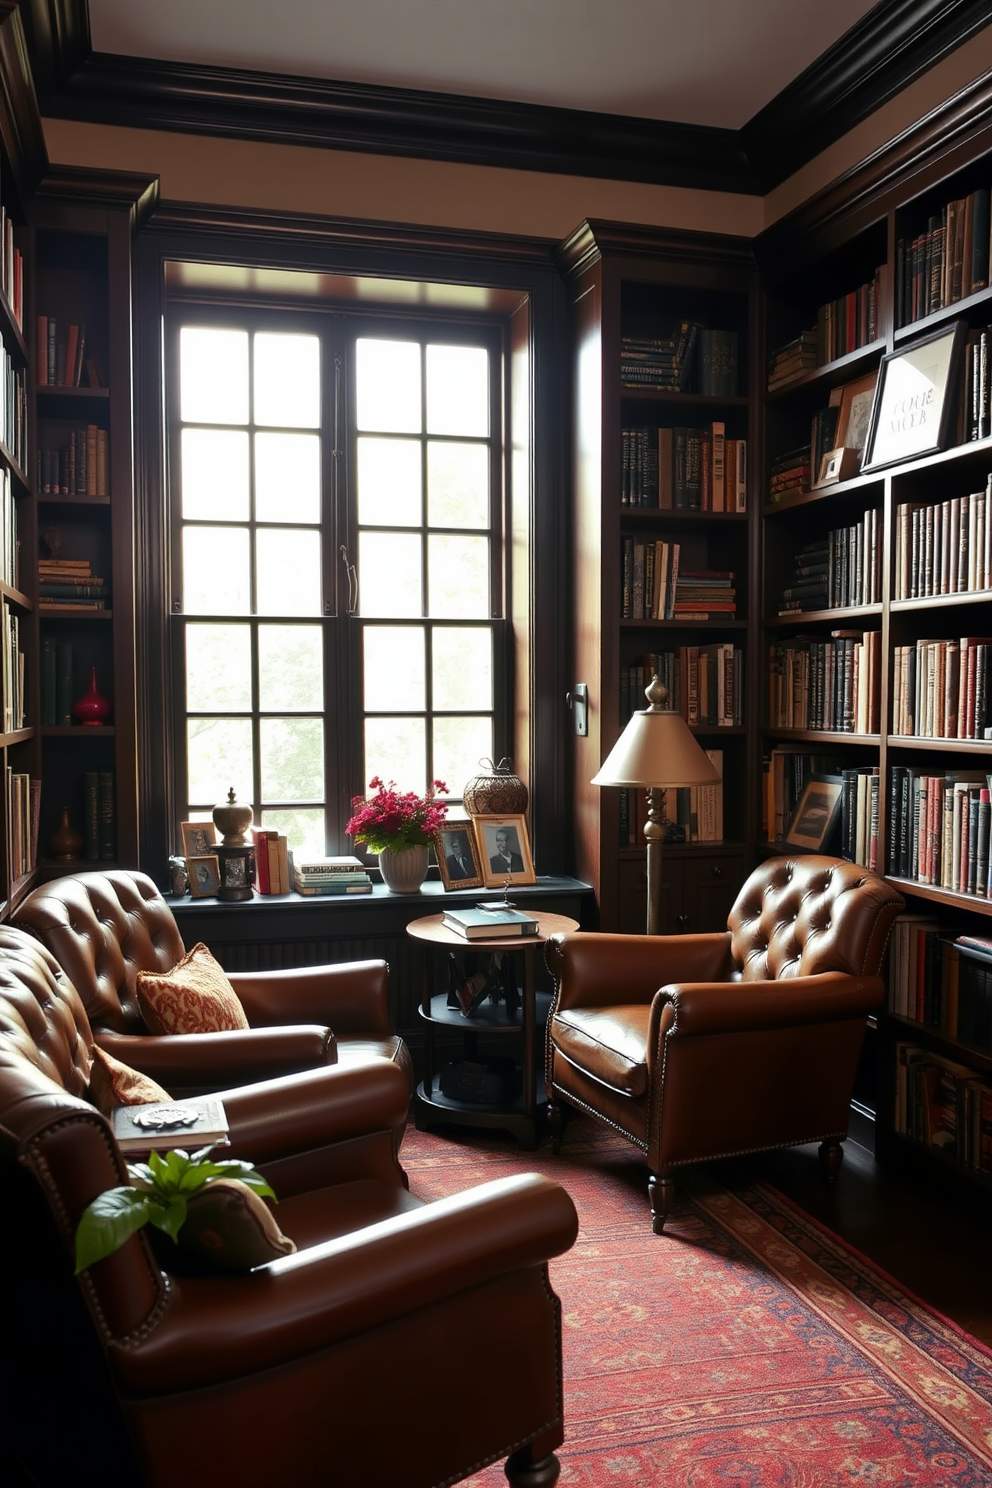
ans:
x=707 y=1046
x=304 y=1371
x=103 y=928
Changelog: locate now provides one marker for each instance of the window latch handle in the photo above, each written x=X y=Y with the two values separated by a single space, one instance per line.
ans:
x=349 y=569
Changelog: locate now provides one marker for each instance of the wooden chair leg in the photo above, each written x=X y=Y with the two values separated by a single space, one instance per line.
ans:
x=831 y=1155
x=557 y=1117
x=523 y=1472
x=661 y=1196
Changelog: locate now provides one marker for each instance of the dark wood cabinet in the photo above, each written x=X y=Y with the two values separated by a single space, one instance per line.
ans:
x=697 y=890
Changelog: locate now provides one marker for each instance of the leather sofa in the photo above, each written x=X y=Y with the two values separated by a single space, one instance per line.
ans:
x=403 y=1343
x=103 y=928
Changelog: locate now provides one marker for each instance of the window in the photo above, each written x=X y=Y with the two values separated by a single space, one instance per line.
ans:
x=338 y=569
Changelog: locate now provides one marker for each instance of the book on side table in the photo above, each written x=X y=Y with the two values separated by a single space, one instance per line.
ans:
x=484 y=922
x=187 y=1123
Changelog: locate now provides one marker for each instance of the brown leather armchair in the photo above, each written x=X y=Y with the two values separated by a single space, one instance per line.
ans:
x=342 y=1362
x=103 y=928
x=707 y=1046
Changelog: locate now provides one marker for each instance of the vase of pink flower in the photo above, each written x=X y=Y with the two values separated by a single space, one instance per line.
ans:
x=400 y=827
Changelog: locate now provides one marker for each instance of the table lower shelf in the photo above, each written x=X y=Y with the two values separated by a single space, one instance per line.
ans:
x=431 y=1108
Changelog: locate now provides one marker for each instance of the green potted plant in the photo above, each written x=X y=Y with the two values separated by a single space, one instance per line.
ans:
x=235 y=1230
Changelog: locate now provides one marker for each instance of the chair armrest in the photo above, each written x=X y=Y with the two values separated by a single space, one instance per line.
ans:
x=596 y=970
x=216 y=1329
x=352 y=998
x=216 y=1060
x=746 y=1007
x=320 y=1107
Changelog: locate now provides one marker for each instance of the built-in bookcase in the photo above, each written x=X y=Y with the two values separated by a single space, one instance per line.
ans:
x=664 y=441
x=928 y=705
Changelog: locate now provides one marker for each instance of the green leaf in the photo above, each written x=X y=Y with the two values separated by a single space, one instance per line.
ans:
x=168 y=1214
x=112 y=1218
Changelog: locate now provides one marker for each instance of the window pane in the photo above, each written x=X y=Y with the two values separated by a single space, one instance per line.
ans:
x=387 y=376
x=218 y=668
x=292 y=759
x=215 y=474
x=458 y=390
x=389 y=482
x=213 y=375
x=290 y=669
x=287 y=380
x=459 y=577
x=462 y=669
x=457 y=485
x=287 y=477
x=219 y=759
x=459 y=745
x=396 y=749
x=389 y=580
x=288 y=572
x=215 y=571
x=303 y=829
x=394 y=670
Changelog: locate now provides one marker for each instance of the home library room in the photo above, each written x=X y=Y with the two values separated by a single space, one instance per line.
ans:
x=875 y=594
x=664 y=326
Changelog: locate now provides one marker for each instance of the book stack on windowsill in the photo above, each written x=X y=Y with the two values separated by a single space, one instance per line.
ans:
x=322 y=876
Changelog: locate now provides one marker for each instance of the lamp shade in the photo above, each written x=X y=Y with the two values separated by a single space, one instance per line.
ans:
x=656 y=749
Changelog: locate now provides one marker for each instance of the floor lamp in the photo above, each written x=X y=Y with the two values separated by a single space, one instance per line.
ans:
x=656 y=751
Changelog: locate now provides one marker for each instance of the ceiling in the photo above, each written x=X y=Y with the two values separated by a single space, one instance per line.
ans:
x=708 y=62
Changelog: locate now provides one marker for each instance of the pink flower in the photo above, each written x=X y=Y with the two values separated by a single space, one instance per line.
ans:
x=390 y=821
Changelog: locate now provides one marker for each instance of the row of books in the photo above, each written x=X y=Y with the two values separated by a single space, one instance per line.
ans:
x=831 y=684
x=99 y=815
x=840 y=571
x=705 y=684
x=941 y=978
x=69 y=584
x=938 y=830
x=60 y=354
x=690 y=813
x=57 y=690
x=659 y=363
x=13 y=670
x=944 y=547
x=684 y=468
x=9 y=544
x=13 y=408
x=11 y=269
x=654 y=587
x=859 y=815
x=944 y=1106
x=940 y=688
x=975 y=404
x=75 y=467
x=844 y=324
x=23 y=814
x=945 y=262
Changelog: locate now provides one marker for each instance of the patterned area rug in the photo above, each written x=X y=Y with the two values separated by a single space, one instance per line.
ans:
x=745 y=1348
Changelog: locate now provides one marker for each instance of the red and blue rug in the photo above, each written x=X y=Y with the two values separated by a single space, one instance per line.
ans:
x=746 y=1348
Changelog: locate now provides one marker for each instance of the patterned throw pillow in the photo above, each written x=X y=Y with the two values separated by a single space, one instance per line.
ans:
x=115 y=1084
x=228 y=1227
x=194 y=997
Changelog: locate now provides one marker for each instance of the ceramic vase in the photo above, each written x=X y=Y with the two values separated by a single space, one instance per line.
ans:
x=403 y=872
x=65 y=843
x=92 y=707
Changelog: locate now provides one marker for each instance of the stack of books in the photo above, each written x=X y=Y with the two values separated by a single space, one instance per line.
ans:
x=659 y=363
x=789 y=473
x=488 y=922
x=702 y=593
x=336 y=875
x=70 y=584
x=793 y=359
x=809 y=588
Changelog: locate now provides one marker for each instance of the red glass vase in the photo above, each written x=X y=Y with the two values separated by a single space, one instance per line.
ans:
x=92 y=707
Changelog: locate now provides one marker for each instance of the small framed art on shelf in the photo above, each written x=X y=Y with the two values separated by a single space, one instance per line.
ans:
x=815 y=816
x=504 y=850
x=457 y=856
x=204 y=875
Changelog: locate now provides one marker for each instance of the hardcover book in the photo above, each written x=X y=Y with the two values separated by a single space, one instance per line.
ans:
x=479 y=923
x=159 y=1127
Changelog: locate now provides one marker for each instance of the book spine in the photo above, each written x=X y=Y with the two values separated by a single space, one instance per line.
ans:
x=108 y=815
x=91 y=832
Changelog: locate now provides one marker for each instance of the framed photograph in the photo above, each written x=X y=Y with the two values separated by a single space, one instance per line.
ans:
x=198 y=838
x=854 y=415
x=204 y=875
x=913 y=403
x=504 y=850
x=458 y=856
x=837 y=465
x=816 y=813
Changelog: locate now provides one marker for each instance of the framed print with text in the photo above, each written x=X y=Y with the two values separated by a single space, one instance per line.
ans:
x=914 y=399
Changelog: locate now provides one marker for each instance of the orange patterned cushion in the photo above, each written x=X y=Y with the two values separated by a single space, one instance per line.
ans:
x=194 y=997
x=115 y=1084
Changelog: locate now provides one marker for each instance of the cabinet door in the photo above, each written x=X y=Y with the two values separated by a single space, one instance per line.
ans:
x=696 y=893
x=710 y=887
x=632 y=915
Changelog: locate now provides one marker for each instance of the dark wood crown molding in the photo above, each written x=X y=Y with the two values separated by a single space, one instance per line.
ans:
x=895 y=43
x=591 y=239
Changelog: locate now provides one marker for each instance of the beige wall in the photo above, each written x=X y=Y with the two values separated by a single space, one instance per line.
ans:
x=197 y=168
